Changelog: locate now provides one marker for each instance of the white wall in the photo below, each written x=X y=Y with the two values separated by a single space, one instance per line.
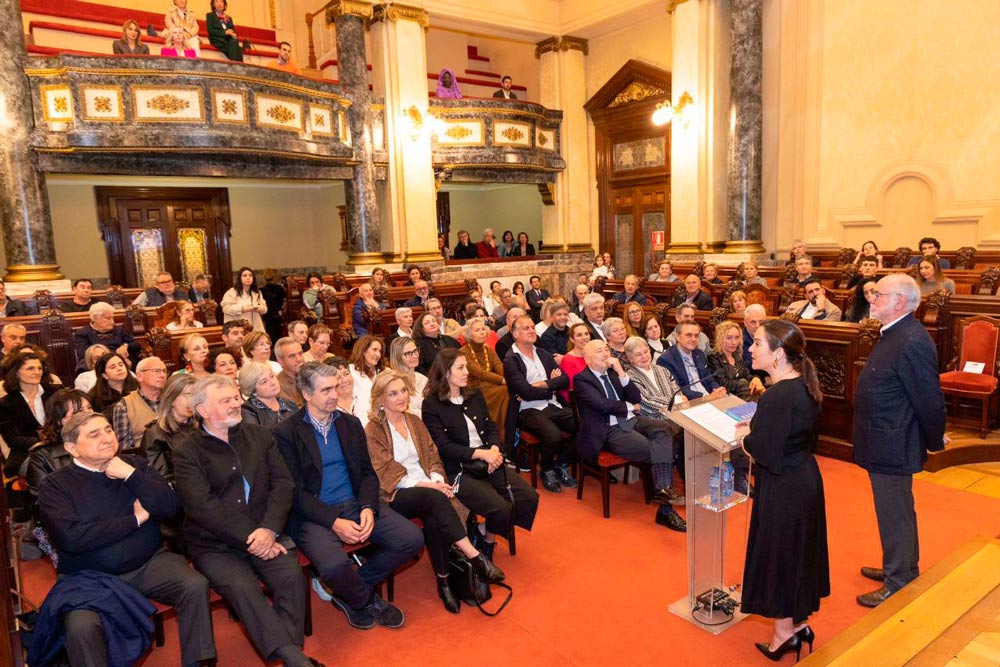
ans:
x=501 y=207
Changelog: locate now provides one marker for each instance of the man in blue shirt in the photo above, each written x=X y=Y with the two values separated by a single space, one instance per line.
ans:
x=337 y=501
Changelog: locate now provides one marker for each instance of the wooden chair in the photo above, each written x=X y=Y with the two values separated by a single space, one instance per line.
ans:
x=606 y=464
x=980 y=342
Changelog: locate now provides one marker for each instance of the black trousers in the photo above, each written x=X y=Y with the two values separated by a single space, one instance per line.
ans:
x=548 y=425
x=166 y=578
x=442 y=527
x=398 y=539
x=897 y=528
x=237 y=576
x=230 y=48
x=488 y=498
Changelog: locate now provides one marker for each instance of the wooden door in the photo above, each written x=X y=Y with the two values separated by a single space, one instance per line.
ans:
x=181 y=230
x=636 y=212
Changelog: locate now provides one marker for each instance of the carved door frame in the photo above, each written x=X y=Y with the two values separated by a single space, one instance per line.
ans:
x=621 y=112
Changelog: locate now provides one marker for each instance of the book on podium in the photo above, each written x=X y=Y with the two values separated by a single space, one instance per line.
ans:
x=712 y=602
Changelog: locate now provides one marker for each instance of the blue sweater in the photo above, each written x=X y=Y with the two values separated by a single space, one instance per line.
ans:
x=91 y=520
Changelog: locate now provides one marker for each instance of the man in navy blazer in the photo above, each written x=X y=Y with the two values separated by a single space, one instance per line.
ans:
x=899 y=415
x=536 y=297
x=631 y=292
x=693 y=294
x=609 y=406
x=533 y=378
x=336 y=501
x=689 y=364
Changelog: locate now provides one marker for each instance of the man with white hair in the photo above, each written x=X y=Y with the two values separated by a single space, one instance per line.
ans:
x=899 y=415
x=102 y=330
x=404 y=328
x=13 y=337
x=487 y=248
x=164 y=291
x=752 y=317
x=237 y=493
x=134 y=412
x=421 y=293
x=593 y=312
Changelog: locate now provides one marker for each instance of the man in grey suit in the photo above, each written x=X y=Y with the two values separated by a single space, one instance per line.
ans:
x=899 y=416
x=815 y=306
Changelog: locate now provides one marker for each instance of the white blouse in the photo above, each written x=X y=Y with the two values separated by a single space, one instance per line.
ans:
x=405 y=454
x=362 y=395
x=475 y=442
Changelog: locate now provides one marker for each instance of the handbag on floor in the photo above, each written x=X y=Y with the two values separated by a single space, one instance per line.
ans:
x=469 y=587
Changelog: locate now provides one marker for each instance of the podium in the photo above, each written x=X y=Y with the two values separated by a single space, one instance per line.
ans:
x=711 y=603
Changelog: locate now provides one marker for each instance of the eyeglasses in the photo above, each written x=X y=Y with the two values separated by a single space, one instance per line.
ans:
x=877 y=294
x=412 y=353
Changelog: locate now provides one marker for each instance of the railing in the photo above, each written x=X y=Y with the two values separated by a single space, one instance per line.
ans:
x=309 y=30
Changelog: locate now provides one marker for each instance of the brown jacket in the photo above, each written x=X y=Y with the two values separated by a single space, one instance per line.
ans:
x=478 y=373
x=389 y=471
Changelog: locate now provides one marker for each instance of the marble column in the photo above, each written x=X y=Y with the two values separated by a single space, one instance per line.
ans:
x=24 y=203
x=568 y=223
x=352 y=64
x=746 y=127
x=399 y=76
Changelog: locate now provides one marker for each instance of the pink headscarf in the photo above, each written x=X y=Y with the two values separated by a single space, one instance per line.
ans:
x=448 y=93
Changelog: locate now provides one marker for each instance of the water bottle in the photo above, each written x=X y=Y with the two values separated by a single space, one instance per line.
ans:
x=715 y=486
x=728 y=476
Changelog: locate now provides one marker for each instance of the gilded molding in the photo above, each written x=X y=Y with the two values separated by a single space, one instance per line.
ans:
x=398 y=12
x=348 y=8
x=274 y=14
x=546 y=46
x=564 y=43
x=636 y=91
x=672 y=5
x=212 y=150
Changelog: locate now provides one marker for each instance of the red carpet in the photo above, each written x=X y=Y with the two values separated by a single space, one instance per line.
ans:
x=594 y=592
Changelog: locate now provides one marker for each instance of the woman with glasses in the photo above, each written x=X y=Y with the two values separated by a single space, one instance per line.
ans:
x=404 y=357
x=184 y=317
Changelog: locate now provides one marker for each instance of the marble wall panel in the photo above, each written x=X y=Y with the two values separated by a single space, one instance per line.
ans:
x=283 y=113
x=507 y=133
x=167 y=104
x=57 y=103
x=230 y=106
x=462 y=133
x=102 y=103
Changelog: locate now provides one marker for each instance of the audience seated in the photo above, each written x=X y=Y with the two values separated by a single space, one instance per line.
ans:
x=536 y=296
x=631 y=292
x=422 y=293
x=522 y=248
x=165 y=291
x=414 y=274
x=221 y=361
x=815 y=306
x=11 y=307
x=868 y=251
x=179 y=17
x=404 y=322
x=930 y=278
x=685 y=313
x=102 y=330
x=13 y=337
x=464 y=249
x=750 y=276
x=263 y=405
x=289 y=355
x=447 y=325
x=412 y=481
x=505 y=337
x=487 y=248
x=114 y=381
x=615 y=334
x=572 y=362
x=664 y=273
x=593 y=315
x=184 y=317
x=236 y=493
x=650 y=331
x=137 y=409
x=600 y=269
x=505 y=301
x=82 y=287
x=533 y=378
x=365 y=301
x=257 y=347
x=174 y=422
x=430 y=340
x=632 y=316
x=752 y=317
x=175 y=46
x=738 y=302
x=194 y=355
x=929 y=246
x=244 y=301
x=319 y=343
x=493 y=300
x=803 y=270
x=102 y=516
x=556 y=336
x=222 y=31
x=657 y=387
x=299 y=332
x=711 y=273
x=447 y=86
x=201 y=288
x=689 y=364
x=49 y=455
x=284 y=61
x=86 y=380
x=693 y=294
x=131 y=42
x=610 y=407
x=864 y=294
x=336 y=503
x=366 y=362
x=404 y=357
x=506 y=246
x=485 y=370
x=866 y=271
x=727 y=364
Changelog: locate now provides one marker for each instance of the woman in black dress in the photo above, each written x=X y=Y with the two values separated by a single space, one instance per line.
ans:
x=787 y=567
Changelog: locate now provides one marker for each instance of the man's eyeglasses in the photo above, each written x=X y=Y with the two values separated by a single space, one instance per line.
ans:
x=877 y=294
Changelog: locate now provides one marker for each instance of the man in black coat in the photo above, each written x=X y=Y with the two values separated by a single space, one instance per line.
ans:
x=631 y=292
x=336 y=501
x=237 y=493
x=536 y=297
x=533 y=378
x=102 y=513
x=609 y=407
x=11 y=307
x=693 y=294
x=899 y=416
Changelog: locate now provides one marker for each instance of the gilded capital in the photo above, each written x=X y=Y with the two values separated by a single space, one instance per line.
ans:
x=546 y=46
x=348 y=8
x=564 y=43
x=398 y=12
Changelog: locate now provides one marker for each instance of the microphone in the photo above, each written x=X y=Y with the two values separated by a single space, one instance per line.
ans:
x=681 y=387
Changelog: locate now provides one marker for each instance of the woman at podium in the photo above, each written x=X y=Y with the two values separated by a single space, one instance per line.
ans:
x=787 y=567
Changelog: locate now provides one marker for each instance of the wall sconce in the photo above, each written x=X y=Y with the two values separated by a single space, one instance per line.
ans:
x=665 y=112
x=419 y=123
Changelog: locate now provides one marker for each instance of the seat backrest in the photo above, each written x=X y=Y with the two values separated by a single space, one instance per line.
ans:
x=980 y=341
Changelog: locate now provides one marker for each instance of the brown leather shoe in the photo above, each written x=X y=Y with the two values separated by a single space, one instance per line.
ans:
x=873 y=573
x=875 y=598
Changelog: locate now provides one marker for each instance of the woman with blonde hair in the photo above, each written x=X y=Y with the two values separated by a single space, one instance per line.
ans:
x=404 y=356
x=726 y=361
x=131 y=42
x=174 y=47
x=194 y=354
x=738 y=302
x=257 y=347
x=414 y=483
x=184 y=20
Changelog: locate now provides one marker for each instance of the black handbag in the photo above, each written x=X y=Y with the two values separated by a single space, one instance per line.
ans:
x=469 y=587
x=476 y=467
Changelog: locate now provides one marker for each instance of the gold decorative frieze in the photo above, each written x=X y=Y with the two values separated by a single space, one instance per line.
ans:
x=398 y=12
x=545 y=139
x=168 y=104
x=321 y=120
x=564 y=43
x=57 y=104
x=280 y=112
x=102 y=103
x=468 y=132
x=507 y=133
x=546 y=46
x=230 y=106
x=348 y=8
x=635 y=91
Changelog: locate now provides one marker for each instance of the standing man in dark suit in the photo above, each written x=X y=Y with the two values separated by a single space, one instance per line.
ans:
x=536 y=297
x=336 y=501
x=237 y=492
x=533 y=378
x=693 y=294
x=609 y=406
x=222 y=31
x=689 y=364
x=899 y=415
x=505 y=91
x=631 y=292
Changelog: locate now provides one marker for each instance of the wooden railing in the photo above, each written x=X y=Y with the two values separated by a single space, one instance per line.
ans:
x=309 y=31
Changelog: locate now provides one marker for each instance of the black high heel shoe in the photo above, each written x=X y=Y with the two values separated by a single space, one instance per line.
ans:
x=807 y=636
x=447 y=596
x=793 y=643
